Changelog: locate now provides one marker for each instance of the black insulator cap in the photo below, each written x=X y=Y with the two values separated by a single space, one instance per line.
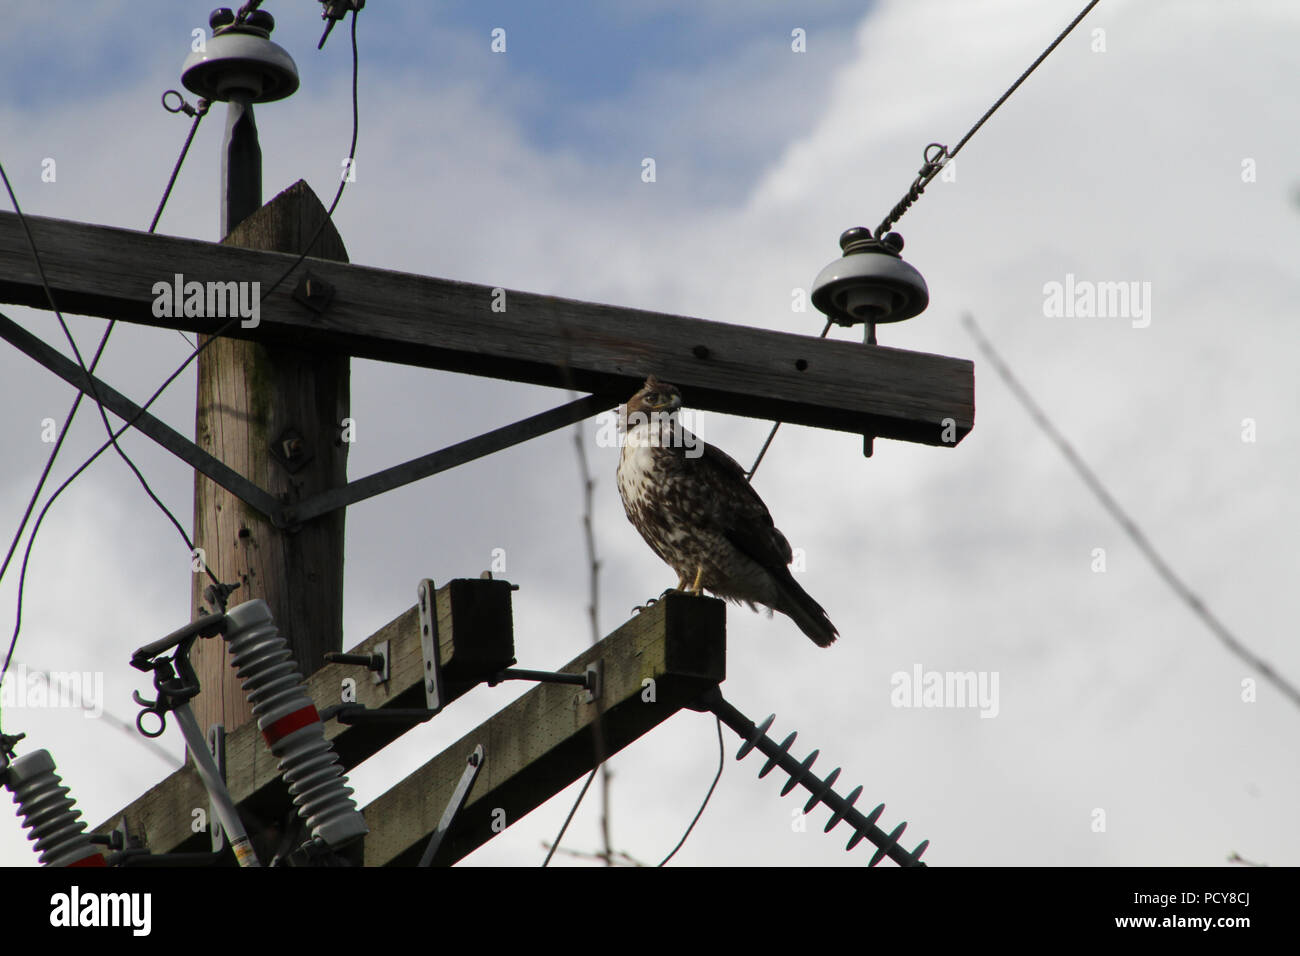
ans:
x=894 y=241
x=261 y=20
x=221 y=17
x=854 y=235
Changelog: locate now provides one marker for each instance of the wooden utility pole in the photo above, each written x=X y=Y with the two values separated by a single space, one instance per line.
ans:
x=537 y=746
x=274 y=414
x=271 y=489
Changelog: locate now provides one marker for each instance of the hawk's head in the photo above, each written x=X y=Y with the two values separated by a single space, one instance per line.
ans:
x=655 y=398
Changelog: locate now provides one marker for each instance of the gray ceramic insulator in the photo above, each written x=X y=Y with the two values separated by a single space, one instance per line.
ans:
x=289 y=723
x=49 y=814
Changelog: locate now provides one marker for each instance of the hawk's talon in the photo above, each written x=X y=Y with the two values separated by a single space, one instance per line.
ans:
x=695 y=588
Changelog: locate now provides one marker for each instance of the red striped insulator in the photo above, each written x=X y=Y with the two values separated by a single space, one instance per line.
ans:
x=292 y=728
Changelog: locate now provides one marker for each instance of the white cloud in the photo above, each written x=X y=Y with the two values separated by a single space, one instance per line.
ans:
x=1114 y=166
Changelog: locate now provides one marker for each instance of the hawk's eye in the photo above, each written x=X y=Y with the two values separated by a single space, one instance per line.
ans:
x=654 y=398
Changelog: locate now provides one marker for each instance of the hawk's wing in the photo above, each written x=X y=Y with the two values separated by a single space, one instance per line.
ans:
x=738 y=511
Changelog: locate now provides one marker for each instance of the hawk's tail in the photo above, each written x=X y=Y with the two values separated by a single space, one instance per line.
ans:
x=806 y=612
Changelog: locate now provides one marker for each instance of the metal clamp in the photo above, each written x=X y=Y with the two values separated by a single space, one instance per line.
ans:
x=177 y=684
x=427 y=601
x=217 y=747
x=472 y=766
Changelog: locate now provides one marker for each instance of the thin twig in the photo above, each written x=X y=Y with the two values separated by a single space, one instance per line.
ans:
x=1129 y=526
x=593 y=613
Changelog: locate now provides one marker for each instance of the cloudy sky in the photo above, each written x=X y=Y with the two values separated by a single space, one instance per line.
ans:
x=1124 y=732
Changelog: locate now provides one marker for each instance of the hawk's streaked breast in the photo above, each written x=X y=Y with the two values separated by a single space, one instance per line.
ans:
x=695 y=509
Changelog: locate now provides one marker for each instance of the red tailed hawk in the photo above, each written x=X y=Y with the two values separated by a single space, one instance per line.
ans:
x=693 y=506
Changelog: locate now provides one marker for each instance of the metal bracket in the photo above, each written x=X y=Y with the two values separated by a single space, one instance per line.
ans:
x=450 y=457
x=472 y=766
x=427 y=601
x=280 y=514
x=141 y=421
x=217 y=747
x=336 y=10
x=127 y=849
x=595 y=680
x=121 y=838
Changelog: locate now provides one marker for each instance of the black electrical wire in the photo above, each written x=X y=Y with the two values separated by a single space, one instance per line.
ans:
x=198 y=114
x=195 y=354
x=99 y=351
x=94 y=391
x=567 y=820
x=936 y=162
x=775 y=425
x=722 y=759
x=94 y=363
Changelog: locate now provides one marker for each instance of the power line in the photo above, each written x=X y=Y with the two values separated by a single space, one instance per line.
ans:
x=198 y=115
x=94 y=390
x=937 y=162
x=195 y=354
x=775 y=425
x=722 y=759
x=94 y=362
x=1185 y=593
x=572 y=810
x=928 y=172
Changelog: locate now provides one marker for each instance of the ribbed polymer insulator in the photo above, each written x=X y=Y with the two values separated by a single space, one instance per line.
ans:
x=290 y=725
x=49 y=814
x=778 y=755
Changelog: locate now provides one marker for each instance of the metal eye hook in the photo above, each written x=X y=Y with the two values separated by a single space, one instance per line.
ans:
x=180 y=106
x=149 y=707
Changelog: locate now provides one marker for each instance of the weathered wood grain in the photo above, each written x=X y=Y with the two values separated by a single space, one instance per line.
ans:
x=249 y=393
x=439 y=323
x=542 y=742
